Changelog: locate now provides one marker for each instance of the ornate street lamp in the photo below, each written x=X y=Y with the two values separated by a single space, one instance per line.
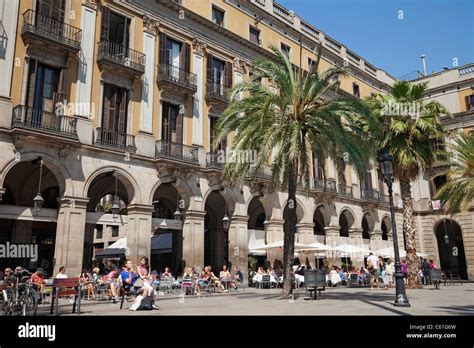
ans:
x=115 y=205
x=386 y=168
x=177 y=214
x=226 y=221
x=446 y=237
x=38 y=200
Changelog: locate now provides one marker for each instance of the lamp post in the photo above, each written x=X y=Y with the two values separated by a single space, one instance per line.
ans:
x=386 y=168
x=226 y=225
x=115 y=205
x=446 y=237
x=38 y=200
x=177 y=214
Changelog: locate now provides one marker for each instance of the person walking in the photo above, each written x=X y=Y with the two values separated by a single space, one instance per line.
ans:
x=425 y=266
x=372 y=267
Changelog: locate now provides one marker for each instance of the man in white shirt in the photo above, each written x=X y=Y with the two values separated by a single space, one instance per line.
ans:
x=373 y=267
x=62 y=273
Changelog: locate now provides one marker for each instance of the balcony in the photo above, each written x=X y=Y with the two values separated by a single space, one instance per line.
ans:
x=44 y=122
x=370 y=195
x=325 y=185
x=38 y=29
x=345 y=191
x=214 y=161
x=115 y=56
x=176 y=80
x=115 y=140
x=175 y=151
x=216 y=93
x=384 y=199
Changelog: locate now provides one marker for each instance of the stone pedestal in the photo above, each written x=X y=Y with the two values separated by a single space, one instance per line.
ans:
x=355 y=235
x=193 y=238
x=69 y=248
x=139 y=231
x=238 y=243
x=375 y=240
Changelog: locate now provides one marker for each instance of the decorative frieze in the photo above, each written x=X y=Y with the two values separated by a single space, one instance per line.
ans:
x=150 y=25
x=199 y=46
x=93 y=4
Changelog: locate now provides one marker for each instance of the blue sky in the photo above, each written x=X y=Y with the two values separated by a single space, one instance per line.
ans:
x=441 y=29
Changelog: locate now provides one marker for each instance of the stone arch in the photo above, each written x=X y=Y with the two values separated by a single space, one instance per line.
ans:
x=264 y=200
x=183 y=188
x=320 y=219
x=257 y=214
x=386 y=226
x=346 y=221
x=61 y=173
x=300 y=210
x=227 y=193
x=131 y=186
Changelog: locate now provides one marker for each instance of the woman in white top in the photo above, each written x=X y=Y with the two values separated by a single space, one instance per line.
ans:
x=334 y=276
x=62 y=273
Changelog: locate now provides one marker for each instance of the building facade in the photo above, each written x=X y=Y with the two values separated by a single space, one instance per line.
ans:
x=104 y=98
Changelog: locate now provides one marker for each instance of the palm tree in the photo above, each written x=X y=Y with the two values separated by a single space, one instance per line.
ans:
x=284 y=127
x=409 y=130
x=458 y=191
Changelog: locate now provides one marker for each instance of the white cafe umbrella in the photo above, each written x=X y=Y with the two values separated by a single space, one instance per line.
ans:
x=316 y=246
x=279 y=244
x=389 y=252
x=349 y=249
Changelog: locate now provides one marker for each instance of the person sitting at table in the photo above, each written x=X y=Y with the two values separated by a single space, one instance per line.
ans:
x=62 y=273
x=334 y=276
x=86 y=280
x=111 y=279
x=143 y=270
x=273 y=276
x=237 y=276
x=224 y=276
x=167 y=273
x=214 y=279
x=299 y=275
x=257 y=278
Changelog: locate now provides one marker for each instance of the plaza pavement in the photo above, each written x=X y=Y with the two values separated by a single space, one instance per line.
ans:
x=449 y=300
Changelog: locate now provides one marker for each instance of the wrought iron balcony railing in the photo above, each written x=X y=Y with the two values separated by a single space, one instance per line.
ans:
x=115 y=140
x=370 y=194
x=51 y=30
x=325 y=185
x=214 y=160
x=121 y=55
x=345 y=190
x=217 y=91
x=177 y=76
x=46 y=122
x=178 y=151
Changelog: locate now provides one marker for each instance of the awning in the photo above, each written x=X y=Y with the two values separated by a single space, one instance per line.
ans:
x=256 y=240
x=114 y=250
x=162 y=243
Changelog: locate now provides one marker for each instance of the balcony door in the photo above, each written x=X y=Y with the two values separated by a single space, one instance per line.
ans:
x=213 y=135
x=46 y=88
x=219 y=75
x=54 y=9
x=114 y=115
x=115 y=29
x=175 y=56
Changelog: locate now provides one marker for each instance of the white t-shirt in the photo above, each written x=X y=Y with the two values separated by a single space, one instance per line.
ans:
x=373 y=261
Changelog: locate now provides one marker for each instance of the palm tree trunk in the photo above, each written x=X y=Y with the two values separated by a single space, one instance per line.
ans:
x=289 y=233
x=409 y=233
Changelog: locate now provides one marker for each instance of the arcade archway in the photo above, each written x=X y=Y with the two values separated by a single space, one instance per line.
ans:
x=451 y=247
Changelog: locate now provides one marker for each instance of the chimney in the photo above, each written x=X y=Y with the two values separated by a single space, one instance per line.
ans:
x=424 y=64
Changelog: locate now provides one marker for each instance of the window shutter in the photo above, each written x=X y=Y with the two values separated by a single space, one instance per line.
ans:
x=162 y=56
x=165 y=124
x=179 y=128
x=467 y=99
x=126 y=34
x=31 y=82
x=228 y=74
x=224 y=144
x=185 y=57
x=57 y=9
x=210 y=75
x=43 y=7
x=105 y=24
x=108 y=114
x=60 y=96
x=122 y=120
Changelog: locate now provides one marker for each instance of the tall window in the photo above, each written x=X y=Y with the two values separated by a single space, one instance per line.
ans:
x=172 y=124
x=311 y=64
x=175 y=55
x=114 y=115
x=99 y=231
x=43 y=86
x=51 y=8
x=254 y=35
x=356 y=90
x=223 y=144
x=469 y=99
x=367 y=182
x=219 y=75
x=285 y=49
x=218 y=16
x=115 y=29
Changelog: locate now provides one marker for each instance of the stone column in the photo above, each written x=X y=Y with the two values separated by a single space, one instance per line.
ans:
x=139 y=231
x=238 y=243
x=306 y=236
x=375 y=240
x=193 y=238
x=274 y=234
x=332 y=239
x=198 y=68
x=355 y=235
x=69 y=248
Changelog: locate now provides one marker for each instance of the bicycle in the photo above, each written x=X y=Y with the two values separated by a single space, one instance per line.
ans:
x=20 y=299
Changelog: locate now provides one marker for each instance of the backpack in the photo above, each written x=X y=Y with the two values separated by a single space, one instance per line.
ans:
x=146 y=304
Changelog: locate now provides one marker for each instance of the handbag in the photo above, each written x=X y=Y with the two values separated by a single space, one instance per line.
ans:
x=139 y=283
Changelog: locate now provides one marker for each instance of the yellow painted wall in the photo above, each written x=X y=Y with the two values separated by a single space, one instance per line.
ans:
x=462 y=95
